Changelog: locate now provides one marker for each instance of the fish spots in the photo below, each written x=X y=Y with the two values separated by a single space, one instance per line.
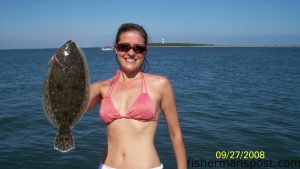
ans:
x=66 y=93
x=46 y=94
x=59 y=86
x=66 y=53
x=64 y=140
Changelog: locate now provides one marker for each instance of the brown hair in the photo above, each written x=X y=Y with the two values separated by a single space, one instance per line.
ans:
x=126 y=27
x=131 y=27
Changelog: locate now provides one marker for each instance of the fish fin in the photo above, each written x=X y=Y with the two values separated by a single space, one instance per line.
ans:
x=51 y=60
x=64 y=141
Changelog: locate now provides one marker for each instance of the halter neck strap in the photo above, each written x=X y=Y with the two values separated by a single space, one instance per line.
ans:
x=115 y=78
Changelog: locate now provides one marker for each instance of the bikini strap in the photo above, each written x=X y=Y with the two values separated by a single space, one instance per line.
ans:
x=113 y=82
x=143 y=83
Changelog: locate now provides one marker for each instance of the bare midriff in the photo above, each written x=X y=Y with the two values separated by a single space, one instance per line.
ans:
x=130 y=144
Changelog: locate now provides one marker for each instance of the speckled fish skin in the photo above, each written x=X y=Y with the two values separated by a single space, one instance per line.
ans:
x=66 y=92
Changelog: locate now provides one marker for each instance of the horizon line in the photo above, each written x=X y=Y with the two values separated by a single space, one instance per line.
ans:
x=196 y=45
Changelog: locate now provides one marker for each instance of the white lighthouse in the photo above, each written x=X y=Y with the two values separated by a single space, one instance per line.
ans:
x=163 y=40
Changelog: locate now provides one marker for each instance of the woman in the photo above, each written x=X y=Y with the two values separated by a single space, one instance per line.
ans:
x=131 y=103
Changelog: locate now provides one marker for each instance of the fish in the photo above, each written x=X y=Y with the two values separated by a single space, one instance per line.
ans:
x=66 y=91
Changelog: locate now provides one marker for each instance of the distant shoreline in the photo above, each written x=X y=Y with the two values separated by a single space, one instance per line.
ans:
x=231 y=46
x=186 y=46
x=168 y=45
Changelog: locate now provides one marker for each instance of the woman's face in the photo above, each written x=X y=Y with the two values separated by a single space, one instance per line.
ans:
x=130 y=53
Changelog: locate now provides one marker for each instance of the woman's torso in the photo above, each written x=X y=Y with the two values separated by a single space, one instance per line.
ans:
x=130 y=138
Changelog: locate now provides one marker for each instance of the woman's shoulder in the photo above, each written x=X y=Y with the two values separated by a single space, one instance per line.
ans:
x=102 y=83
x=157 y=80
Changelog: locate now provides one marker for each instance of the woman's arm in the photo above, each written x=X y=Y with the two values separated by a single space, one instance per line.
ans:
x=168 y=107
x=95 y=95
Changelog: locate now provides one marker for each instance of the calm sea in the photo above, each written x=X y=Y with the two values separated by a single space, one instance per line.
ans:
x=245 y=99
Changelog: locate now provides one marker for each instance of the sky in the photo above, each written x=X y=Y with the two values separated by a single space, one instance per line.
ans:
x=93 y=23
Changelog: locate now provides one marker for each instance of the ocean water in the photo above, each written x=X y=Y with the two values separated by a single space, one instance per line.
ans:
x=245 y=99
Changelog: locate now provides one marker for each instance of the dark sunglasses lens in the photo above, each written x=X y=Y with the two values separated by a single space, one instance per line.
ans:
x=123 y=47
x=139 y=49
x=127 y=47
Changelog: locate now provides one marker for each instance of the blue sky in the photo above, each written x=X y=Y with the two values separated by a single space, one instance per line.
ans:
x=46 y=24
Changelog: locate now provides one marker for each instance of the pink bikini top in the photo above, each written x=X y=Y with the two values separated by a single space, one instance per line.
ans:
x=142 y=109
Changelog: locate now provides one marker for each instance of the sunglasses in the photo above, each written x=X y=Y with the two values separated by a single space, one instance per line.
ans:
x=125 y=47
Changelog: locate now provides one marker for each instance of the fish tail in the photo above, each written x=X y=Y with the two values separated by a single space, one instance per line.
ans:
x=64 y=141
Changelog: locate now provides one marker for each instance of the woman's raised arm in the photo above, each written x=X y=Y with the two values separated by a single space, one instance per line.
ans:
x=95 y=95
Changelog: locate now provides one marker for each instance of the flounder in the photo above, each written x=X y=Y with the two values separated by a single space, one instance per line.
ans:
x=66 y=92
